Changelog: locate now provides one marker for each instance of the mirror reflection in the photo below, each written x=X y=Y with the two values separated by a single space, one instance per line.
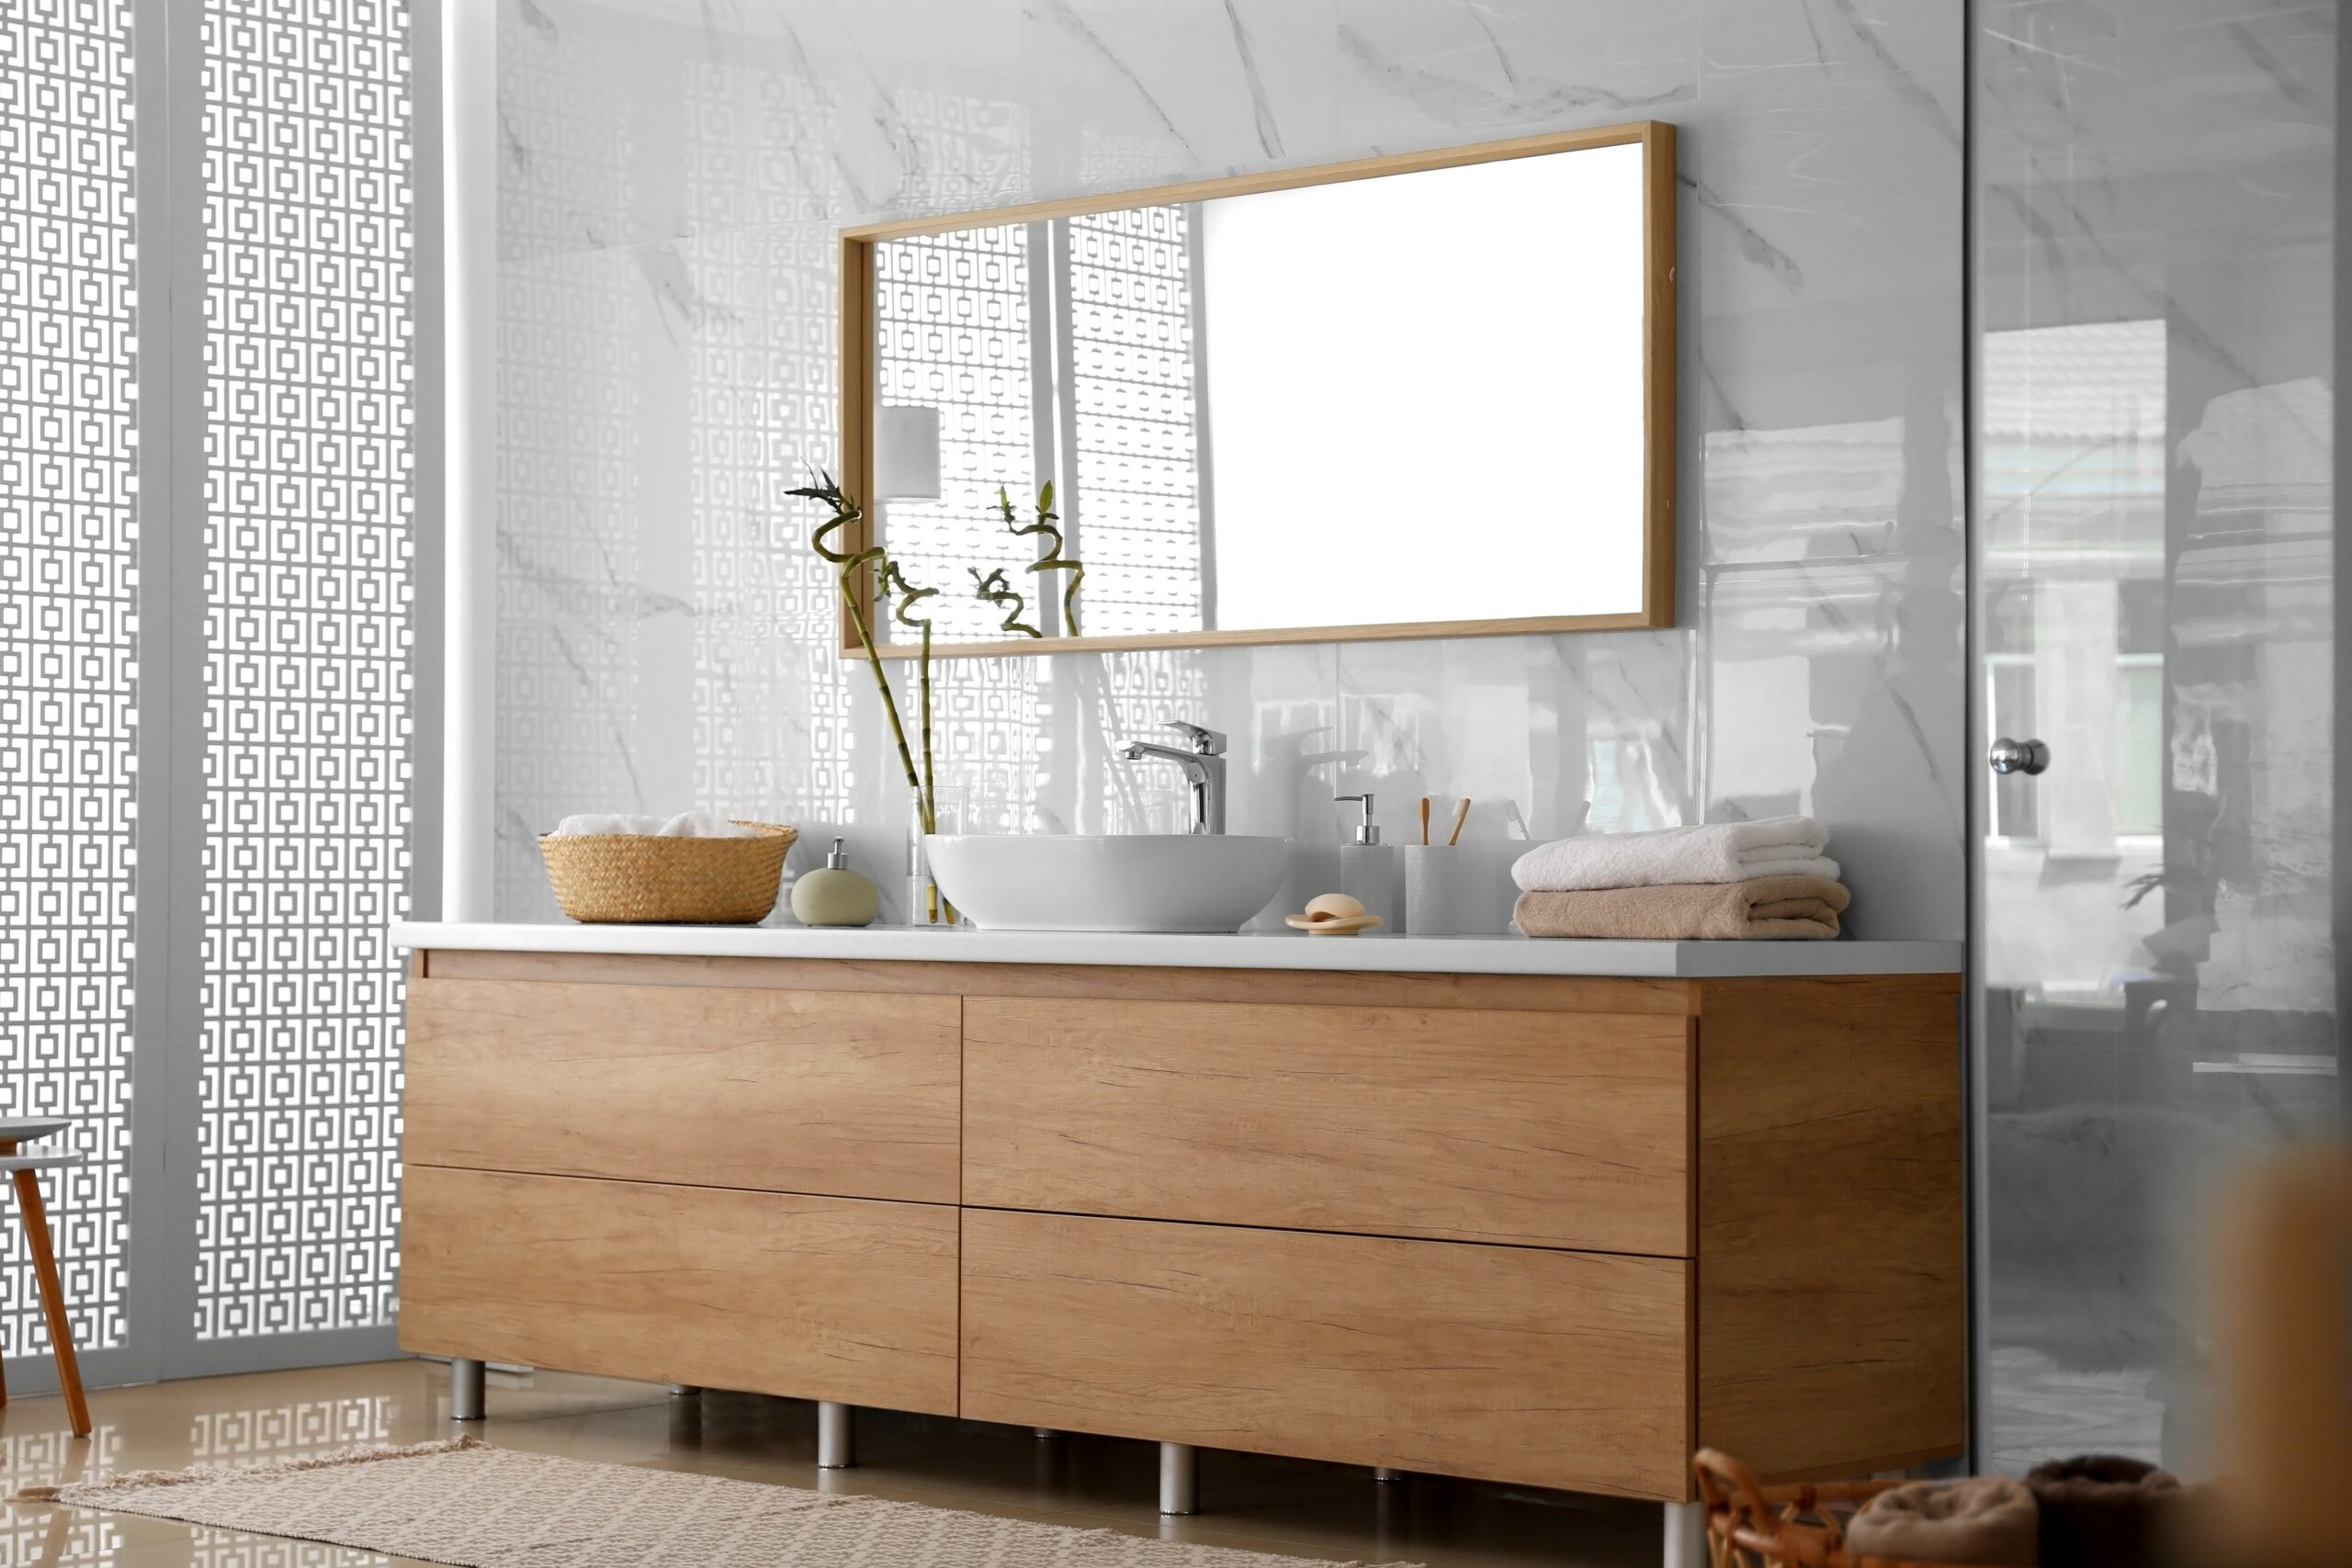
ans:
x=1417 y=402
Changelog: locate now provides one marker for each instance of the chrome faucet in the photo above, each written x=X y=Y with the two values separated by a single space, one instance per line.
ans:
x=1203 y=768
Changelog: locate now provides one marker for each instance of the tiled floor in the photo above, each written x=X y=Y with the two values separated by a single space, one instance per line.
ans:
x=1267 y=1504
x=2042 y=1410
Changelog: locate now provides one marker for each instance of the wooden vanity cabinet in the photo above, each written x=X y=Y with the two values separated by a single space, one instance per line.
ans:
x=1535 y=1129
x=1551 y=1231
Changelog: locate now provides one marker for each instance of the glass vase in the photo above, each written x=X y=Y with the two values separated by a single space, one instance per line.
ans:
x=926 y=905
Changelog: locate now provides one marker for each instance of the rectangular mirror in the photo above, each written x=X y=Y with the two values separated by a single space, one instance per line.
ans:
x=1429 y=395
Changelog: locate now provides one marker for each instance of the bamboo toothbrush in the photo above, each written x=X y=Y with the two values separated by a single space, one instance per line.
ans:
x=1425 y=821
x=1461 y=814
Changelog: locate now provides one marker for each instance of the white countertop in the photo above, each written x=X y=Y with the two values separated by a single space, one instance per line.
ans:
x=1272 y=950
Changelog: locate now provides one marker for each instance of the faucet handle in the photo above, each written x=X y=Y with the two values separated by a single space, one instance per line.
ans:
x=1206 y=742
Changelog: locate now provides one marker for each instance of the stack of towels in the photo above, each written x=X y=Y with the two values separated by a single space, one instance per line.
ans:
x=1725 y=880
x=2098 y=1511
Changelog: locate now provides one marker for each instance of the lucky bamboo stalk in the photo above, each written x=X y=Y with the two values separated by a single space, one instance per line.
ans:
x=846 y=513
x=908 y=596
x=1053 y=560
x=997 y=588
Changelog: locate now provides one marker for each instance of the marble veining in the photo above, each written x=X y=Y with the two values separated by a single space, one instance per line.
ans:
x=671 y=178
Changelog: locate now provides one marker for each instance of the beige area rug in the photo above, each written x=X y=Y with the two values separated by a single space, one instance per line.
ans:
x=478 y=1507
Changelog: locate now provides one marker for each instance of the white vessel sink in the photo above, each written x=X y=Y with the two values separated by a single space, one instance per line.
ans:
x=1145 y=882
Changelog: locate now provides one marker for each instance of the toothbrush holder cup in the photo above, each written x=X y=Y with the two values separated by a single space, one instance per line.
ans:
x=1461 y=889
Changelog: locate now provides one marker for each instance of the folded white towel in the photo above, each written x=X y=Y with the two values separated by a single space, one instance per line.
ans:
x=1715 y=851
x=685 y=825
x=701 y=825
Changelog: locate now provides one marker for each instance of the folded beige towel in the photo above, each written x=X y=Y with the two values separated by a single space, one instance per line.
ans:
x=1991 y=1521
x=1763 y=907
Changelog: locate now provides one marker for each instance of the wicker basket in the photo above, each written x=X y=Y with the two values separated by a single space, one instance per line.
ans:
x=1750 y=1526
x=605 y=879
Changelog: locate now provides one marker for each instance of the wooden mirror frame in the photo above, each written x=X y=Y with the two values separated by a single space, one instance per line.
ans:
x=1655 y=138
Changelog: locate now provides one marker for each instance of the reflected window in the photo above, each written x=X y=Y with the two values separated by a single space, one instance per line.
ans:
x=2008 y=703
x=2073 y=653
x=2140 y=710
x=1067 y=351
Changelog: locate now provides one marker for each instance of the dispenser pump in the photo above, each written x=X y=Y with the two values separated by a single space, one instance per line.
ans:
x=833 y=895
x=1364 y=832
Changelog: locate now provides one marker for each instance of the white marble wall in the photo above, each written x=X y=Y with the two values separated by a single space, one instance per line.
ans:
x=671 y=175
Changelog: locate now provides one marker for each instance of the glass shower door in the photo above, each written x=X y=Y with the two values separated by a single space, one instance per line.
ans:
x=2153 y=1000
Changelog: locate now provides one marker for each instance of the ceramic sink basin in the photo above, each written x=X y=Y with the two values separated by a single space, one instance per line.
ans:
x=1145 y=882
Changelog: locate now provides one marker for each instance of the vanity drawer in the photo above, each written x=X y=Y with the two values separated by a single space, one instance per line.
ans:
x=790 y=1091
x=1551 y=1369
x=814 y=1298
x=1555 y=1129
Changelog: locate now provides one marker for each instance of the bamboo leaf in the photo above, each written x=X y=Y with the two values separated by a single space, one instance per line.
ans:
x=895 y=582
x=1052 y=559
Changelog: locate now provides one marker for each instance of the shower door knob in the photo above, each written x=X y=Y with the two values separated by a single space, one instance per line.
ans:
x=2027 y=756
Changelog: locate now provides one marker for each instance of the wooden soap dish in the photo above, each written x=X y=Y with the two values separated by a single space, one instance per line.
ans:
x=1333 y=914
x=1328 y=925
x=1349 y=926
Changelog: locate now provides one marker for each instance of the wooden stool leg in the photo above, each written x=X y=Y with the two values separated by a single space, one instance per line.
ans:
x=8 y=1147
x=52 y=1299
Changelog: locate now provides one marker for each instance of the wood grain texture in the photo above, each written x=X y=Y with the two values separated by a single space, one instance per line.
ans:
x=1660 y=194
x=858 y=390
x=813 y=1298
x=1546 y=993
x=1528 y=1128
x=54 y=1306
x=1656 y=141
x=1831 y=1297
x=1551 y=1369
x=789 y=1091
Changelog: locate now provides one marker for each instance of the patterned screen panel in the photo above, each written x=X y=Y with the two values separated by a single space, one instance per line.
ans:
x=68 y=535
x=1103 y=348
x=1136 y=458
x=309 y=586
x=956 y=334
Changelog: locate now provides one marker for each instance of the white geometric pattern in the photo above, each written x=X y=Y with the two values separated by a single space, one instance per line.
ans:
x=955 y=332
x=1135 y=470
x=68 y=591
x=309 y=603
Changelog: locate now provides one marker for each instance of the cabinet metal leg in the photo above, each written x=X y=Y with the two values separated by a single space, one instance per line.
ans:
x=1685 y=1536
x=1180 y=1478
x=684 y=1391
x=1387 y=1476
x=836 y=1438
x=464 y=1390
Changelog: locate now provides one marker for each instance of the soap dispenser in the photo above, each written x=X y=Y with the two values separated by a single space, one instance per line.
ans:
x=835 y=895
x=1368 y=867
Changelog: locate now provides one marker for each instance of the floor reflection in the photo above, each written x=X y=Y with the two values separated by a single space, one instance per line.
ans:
x=1286 y=1506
